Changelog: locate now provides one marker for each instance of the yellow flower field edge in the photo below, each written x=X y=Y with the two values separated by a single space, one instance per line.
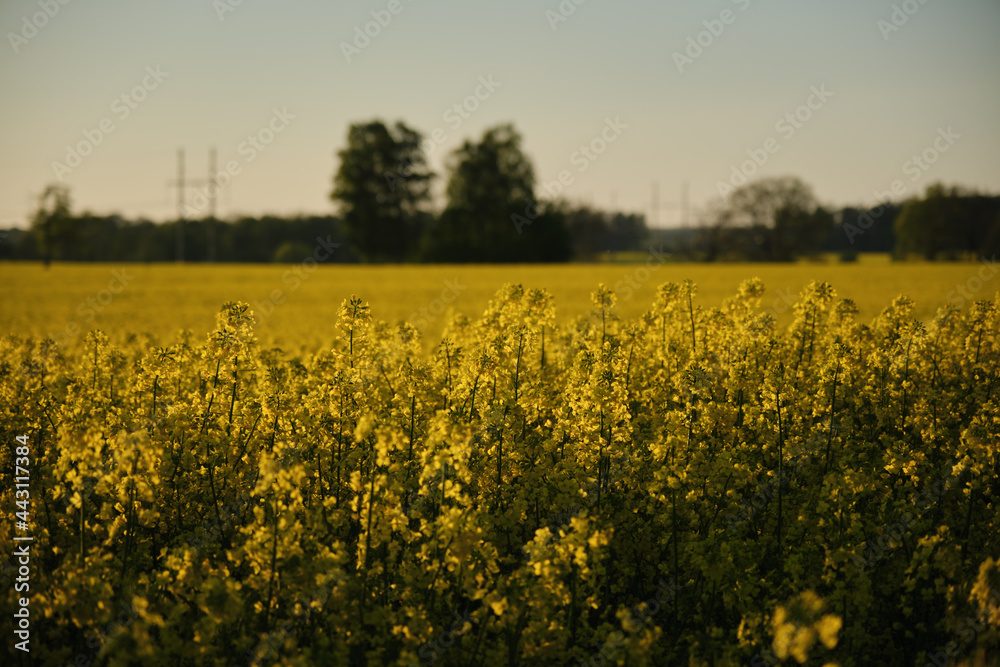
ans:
x=691 y=487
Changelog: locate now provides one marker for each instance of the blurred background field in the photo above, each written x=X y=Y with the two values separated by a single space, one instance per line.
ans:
x=162 y=299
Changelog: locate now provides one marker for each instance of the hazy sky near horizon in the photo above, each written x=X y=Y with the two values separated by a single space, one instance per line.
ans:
x=923 y=82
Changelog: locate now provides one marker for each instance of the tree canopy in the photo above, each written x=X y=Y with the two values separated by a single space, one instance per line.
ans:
x=773 y=219
x=490 y=181
x=948 y=223
x=52 y=224
x=383 y=187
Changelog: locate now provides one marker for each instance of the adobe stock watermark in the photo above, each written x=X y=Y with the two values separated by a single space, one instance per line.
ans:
x=563 y=11
x=966 y=292
x=531 y=212
x=452 y=290
x=250 y=148
x=295 y=276
x=459 y=112
x=786 y=126
x=899 y=17
x=698 y=44
x=967 y=630
x=586 y=155
x=363 y=36
x=582 y=158
x=90 y=307
x=223 y=7
x=915 y=167
x=631 y=283
x=784 y=302
x=122 y=107
x=455 y=115
x=37 y=21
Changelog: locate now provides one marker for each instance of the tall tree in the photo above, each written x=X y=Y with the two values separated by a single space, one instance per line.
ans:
x=53 y=225
x=491 y=180
x=382 y=187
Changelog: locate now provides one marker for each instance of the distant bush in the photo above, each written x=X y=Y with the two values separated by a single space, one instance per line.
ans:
x=848 y=256
x=291 y=252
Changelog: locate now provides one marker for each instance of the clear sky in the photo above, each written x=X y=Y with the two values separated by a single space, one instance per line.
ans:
x=889 y=92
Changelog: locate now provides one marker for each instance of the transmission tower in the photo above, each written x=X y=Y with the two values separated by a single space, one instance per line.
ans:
x=212 y=194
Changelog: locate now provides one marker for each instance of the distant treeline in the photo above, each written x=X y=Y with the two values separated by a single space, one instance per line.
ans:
x=945 y=224
x=92 y=238
x=972 y=232
x=492 y=215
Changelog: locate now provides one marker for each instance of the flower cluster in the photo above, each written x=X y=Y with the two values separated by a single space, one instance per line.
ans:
x=825 y=493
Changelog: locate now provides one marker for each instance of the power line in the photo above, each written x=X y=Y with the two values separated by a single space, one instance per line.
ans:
x=212 y=192
x=655 y=206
